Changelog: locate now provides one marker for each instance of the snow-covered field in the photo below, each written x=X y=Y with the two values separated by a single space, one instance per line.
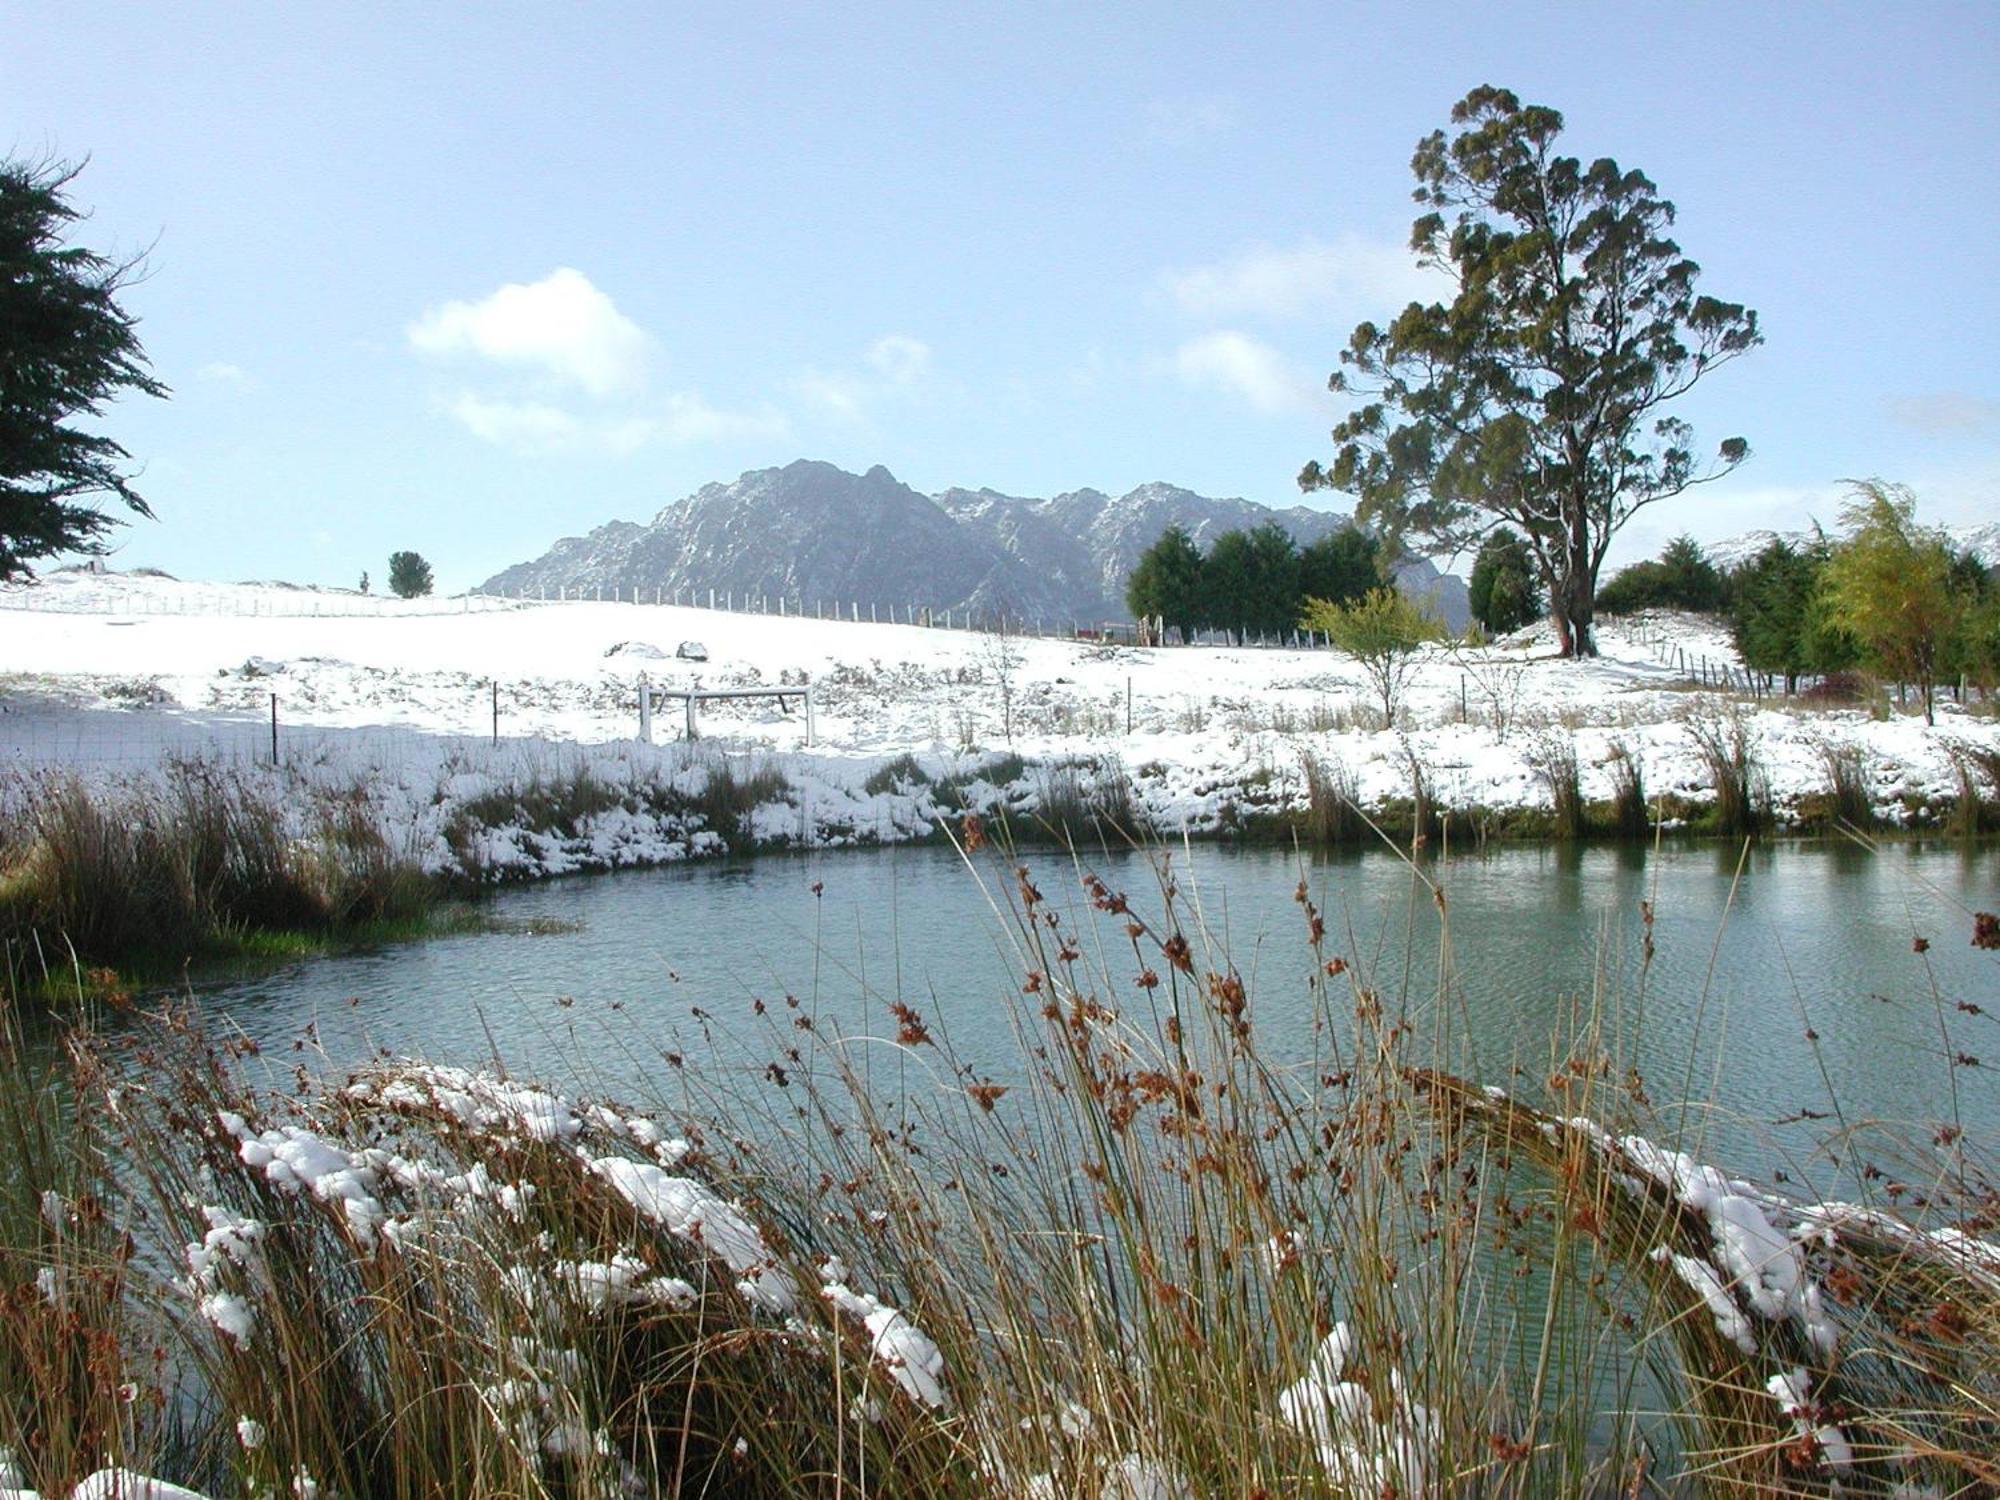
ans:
x=112 y=673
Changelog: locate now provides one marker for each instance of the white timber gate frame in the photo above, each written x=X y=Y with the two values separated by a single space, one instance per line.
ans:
x=693 y=697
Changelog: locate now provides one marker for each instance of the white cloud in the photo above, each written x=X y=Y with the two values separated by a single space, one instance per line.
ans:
x=1247 y=368
x=1351 y=276
x=686 y=418
x=1947 y=413
x=897 y=364
x=900 y=359
x=221 y=372
x=561 y=325
x=540 y=427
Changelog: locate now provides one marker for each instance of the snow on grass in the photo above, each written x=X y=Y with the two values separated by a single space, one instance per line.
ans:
x=399 y=700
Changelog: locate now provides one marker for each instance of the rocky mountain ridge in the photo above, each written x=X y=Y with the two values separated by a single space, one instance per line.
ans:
x=813 y=534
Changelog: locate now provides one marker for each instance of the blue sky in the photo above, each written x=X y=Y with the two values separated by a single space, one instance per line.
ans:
x=467 y=279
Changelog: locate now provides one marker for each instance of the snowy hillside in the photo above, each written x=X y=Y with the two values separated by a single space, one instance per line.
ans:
x=110 y=673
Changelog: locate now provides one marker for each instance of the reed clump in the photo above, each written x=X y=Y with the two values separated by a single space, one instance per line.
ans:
x=1629 y=817
x=1849 y=802
x=1727 y=748
x=1180 y=1251
x=191 y=861
x=1552 y=757
x=1333 y=813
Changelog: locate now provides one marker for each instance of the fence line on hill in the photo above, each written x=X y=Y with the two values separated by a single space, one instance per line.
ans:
x=853 y=612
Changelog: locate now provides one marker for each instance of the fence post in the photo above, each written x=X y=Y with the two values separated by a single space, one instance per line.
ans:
x=496 y=713
x=274 y=729
x=711 y=598
x=809 y=716
x=692 y=733
x=645 y=710
x=1128 y=708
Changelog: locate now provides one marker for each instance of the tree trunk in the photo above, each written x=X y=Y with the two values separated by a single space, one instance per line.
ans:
x=1574 y=611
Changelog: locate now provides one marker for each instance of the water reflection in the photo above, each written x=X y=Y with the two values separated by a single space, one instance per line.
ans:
x=1780 y=980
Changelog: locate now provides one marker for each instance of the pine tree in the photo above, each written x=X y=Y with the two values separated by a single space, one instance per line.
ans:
x=1341 y=566
x=409 y=575
x=1503 y=594
x=1166 y=582
x=67 y=349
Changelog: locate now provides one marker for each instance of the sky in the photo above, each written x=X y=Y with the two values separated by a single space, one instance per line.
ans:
x=466 y=279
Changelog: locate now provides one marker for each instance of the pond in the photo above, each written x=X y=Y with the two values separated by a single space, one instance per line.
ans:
x=1821 y=978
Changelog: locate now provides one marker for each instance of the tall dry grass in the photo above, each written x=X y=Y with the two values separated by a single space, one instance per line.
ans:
x=1178 y=1254
x=176 y=864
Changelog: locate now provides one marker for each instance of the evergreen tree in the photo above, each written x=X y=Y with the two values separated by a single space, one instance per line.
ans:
x=1538 y=394
x=1681 y=577
x=409 y=575
x=1226 y=576
x=1166 y=582
x=1769 y=615
x=1503 y=593
x=1272 y=605
x=66 y=350
x=1341 y=566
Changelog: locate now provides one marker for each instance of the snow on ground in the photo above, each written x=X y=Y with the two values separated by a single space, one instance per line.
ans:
x=116 y=672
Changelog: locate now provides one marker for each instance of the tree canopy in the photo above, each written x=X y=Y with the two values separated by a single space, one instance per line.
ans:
x=1681 y=577
x=1341 y=566
x=1892 y=584
x=67 y=349
x=1778 y=618
x=409 y=575
x=1383 y=630
x=1534 y=396
x=1166 y=582
x=1503 y=593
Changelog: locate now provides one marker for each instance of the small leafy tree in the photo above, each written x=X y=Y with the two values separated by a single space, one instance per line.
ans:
x=1166 y=582
x=1383 y=630
x=1503 y=593
x=1341 y=566
x=1537 y=394
x=409 y=575
x=364 y=581
x=1890 y=585
x=66 y=350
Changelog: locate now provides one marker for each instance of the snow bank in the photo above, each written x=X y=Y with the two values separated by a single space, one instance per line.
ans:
x=403 y=704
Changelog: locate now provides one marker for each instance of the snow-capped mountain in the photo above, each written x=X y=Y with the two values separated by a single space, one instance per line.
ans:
x=810 y=532
x=1983 y=541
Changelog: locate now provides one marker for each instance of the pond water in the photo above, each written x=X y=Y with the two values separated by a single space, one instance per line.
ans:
x=1784 y=980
